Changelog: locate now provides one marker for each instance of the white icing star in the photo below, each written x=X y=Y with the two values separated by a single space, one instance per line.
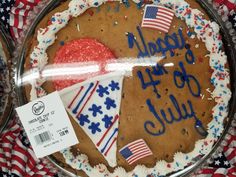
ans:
x=1 y=10
x=220 y=155
x=226 y=163
x=3 y=18
x=235 y=18
x=217 y=162
x=8 y=9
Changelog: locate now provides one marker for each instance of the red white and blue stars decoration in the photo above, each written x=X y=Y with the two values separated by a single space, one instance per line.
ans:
x=95 y=105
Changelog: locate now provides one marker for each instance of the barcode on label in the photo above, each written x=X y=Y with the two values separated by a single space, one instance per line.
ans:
x=42 y=138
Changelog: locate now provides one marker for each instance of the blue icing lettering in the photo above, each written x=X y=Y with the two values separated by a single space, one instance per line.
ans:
x=157 y=70
x=189 y=57
x=148 y=124
x=168 y=44
x=132 y=41
x=185 y=111
x=181 y=77
x=153 y=48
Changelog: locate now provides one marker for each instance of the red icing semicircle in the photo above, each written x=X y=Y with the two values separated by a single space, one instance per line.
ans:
x=84 y=50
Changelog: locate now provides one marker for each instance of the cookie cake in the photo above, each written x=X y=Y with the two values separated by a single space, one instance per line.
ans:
x=147 y=88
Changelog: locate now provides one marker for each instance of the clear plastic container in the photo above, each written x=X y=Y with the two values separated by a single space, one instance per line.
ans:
x=162 y=88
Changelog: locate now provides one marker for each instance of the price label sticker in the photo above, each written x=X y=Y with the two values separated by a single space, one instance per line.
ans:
x=47 y=125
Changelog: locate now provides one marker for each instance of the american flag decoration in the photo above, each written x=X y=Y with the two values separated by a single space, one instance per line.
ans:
x=5 y=9
x=157 y=17
x=95 y=106
x=136 y=150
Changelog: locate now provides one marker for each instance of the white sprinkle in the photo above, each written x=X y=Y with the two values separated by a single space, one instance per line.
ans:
x=78 y=28
x=193 y=36
x=116 y=22
x=203 y=97
x=208 y=90
x=210 y=98
x=197 y=46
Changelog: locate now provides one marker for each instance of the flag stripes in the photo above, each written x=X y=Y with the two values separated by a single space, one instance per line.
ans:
x=17 y=159
x=157 y=17
x=134 y=151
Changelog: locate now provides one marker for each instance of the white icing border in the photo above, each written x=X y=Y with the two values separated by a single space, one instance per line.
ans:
x=221 y=93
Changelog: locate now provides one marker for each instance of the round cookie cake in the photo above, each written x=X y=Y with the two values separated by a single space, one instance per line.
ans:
x=147 y=88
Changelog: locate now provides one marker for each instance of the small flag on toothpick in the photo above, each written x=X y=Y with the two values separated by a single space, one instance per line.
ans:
x=157 y=17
